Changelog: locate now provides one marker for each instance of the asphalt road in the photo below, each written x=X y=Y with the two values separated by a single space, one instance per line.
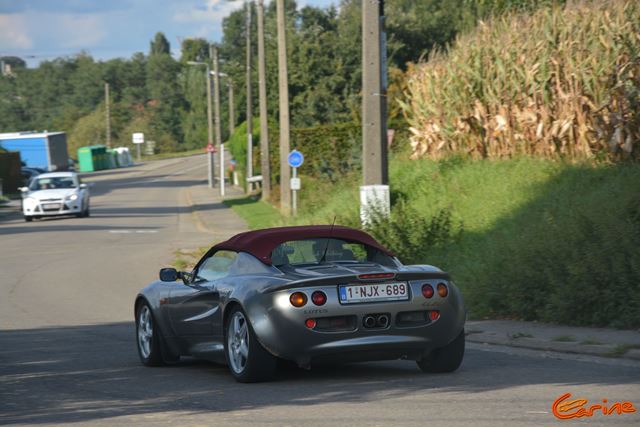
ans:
x=67 y=348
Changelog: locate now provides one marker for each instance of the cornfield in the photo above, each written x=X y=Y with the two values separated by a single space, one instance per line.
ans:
x=561 y=82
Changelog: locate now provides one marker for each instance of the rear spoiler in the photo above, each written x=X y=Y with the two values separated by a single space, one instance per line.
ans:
x=351 y=279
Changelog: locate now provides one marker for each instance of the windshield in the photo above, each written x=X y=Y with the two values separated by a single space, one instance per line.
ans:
x=311 y=251
x=52 y=183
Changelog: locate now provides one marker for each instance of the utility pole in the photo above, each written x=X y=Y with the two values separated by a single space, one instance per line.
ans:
x=249 y=101
x=232 y=109
x=285 y=175
x=108 y=114
x=375 y=190
x=210 y=164
x=264 y=126
x=216 y=109
x=210 y=161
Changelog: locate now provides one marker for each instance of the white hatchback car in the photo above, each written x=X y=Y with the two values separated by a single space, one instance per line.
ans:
x=58 y=193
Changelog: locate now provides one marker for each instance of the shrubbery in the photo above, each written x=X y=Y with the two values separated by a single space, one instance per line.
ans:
x=523 y=238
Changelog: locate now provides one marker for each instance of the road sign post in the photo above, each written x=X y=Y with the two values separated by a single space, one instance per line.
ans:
x=138 y=139
x=295 y=160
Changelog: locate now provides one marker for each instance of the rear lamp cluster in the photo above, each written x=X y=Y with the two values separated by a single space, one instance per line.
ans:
x=428 y=292
x=299 y=299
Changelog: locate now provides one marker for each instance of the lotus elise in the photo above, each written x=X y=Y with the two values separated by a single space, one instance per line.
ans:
x=309 y=295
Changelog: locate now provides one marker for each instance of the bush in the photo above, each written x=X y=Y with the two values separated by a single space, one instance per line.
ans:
x=330 y=151
x=542 y=240
x=411 y=235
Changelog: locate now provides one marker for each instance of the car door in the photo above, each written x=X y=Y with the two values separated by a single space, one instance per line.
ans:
x=194 y=309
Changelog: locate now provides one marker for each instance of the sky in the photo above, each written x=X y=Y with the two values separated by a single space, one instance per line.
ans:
x=38 y=30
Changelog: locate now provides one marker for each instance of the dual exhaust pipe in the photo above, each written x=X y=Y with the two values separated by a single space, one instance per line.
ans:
x=376 y=321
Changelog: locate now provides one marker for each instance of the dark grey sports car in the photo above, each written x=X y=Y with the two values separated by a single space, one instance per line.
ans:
x=304 y=294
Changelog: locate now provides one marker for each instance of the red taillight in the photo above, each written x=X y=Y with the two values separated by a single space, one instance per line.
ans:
x=310 y=323
x=442 y=290
x=427 y=290
x=376 y=276
x=298 y=299
x=319 y=298
x=434 y=315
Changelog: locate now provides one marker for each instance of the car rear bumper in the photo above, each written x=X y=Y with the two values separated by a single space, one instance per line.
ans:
x=283 y=332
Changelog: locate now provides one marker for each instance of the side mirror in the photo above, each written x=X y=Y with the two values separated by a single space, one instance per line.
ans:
x=23 y=189
x=169 y=274
x=83 y=186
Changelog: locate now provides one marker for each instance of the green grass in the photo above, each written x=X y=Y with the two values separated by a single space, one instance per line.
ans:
x=520 y=335
x=564 y=338
x=186 y=259
x=590 y=341
x=256 y=213
x=621 y=349
x=523 y=238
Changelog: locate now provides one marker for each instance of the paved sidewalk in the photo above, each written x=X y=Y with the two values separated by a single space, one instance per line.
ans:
x=565 y=339
x=211 y=215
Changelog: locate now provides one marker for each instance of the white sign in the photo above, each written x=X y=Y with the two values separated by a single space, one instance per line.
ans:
x=295 y=184
x=138 y=138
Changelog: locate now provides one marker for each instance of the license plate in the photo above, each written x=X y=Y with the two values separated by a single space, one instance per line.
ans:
x=51 y=206
x=352 y=294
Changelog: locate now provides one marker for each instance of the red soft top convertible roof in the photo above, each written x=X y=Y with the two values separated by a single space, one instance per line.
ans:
x=260 y=243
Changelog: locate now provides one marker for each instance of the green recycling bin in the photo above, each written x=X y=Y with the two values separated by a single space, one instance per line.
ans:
x=92 y=158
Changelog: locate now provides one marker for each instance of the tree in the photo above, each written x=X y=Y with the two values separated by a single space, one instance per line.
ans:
x=195 y=50
x=159 y=45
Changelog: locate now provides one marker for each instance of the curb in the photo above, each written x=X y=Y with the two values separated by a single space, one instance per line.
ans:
x=197 y=219
x=601 y=350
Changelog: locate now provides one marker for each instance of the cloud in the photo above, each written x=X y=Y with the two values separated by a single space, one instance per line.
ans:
x=80 y=31
x=209 y=11
x=63 y=6
x=14 y=33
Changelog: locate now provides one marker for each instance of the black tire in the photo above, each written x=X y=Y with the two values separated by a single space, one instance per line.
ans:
x=444 y=359
x=28 y=218
x=260 y=365
x=87 y=213
x=154 y=354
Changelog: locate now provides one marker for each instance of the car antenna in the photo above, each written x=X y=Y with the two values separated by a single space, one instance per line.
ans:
x=326 y=247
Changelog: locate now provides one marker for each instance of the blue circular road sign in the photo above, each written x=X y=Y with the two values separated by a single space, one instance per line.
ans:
x=296 y=159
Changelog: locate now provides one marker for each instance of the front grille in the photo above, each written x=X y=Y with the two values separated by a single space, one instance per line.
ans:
x=50 y=200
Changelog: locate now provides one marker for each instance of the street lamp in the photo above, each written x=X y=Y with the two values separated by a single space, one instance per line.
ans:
x=216 y=75
x=211 y=169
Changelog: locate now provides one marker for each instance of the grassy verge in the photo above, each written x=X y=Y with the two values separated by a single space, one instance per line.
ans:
x=523 y=238
x=256 y=213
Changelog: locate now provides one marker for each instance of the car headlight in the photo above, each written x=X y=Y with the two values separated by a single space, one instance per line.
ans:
x=72 y=197
x=30 y=202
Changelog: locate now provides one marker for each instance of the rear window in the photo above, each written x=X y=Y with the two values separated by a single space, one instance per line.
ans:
x=315 y=251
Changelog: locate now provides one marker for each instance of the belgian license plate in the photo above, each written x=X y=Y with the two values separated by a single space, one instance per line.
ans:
x=51 y=206
x=352 y=294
